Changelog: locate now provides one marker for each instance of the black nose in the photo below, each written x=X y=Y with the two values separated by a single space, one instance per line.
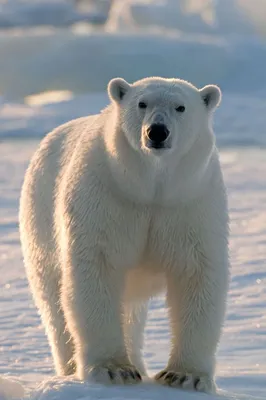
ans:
x=157 y=133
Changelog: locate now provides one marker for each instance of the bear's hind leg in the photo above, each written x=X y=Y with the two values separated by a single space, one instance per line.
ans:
x=44 y=282
x=61 y=342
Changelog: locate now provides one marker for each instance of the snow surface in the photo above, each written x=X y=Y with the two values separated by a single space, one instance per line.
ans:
x=51 y=74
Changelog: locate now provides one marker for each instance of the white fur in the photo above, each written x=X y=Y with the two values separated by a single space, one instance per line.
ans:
x=107 y=222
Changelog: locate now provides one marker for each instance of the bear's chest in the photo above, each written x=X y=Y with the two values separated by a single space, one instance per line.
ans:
x=174 y=238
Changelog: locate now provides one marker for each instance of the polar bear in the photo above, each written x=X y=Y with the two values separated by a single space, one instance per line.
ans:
x=114 y=209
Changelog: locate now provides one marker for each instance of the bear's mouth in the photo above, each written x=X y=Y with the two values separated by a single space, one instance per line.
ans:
x=157 y=146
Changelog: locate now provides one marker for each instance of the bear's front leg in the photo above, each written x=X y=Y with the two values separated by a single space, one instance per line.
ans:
x=91 y=299
x=196 y=306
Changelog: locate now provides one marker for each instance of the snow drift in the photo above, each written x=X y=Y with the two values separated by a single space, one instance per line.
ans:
x=71 y=389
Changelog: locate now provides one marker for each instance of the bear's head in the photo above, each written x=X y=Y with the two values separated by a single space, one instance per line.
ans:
x=161 y=116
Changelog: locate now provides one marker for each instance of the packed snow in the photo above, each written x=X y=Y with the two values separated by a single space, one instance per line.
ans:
x=56 y=57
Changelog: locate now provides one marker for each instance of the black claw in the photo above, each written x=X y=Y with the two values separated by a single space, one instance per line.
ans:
x=182 y=379
x=175 y=378
x=169 y=376
x=196 y=382
x=161 y=375
x=111 y=374
x=138 y=376
x=132 y=374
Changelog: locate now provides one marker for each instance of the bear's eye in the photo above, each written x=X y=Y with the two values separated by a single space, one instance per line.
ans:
x=142 y=104
x=180 y=109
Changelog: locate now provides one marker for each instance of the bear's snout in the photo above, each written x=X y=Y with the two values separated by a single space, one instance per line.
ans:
x=157 y=134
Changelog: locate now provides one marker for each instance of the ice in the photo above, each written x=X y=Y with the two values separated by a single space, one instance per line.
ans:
x=224 y=16
x=84 y=62
x=27 y=13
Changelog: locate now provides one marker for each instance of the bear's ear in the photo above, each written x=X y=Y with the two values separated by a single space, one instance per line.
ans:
x=117 y=88
x=211 y=95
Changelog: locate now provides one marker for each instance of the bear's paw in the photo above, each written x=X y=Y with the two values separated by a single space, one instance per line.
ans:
x=113 y=374
x=186 y=381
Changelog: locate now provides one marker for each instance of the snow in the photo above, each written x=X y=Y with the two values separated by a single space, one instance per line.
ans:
x=55 y=62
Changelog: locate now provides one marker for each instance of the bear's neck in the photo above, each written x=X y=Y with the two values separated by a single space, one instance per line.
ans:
x=151 y=180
